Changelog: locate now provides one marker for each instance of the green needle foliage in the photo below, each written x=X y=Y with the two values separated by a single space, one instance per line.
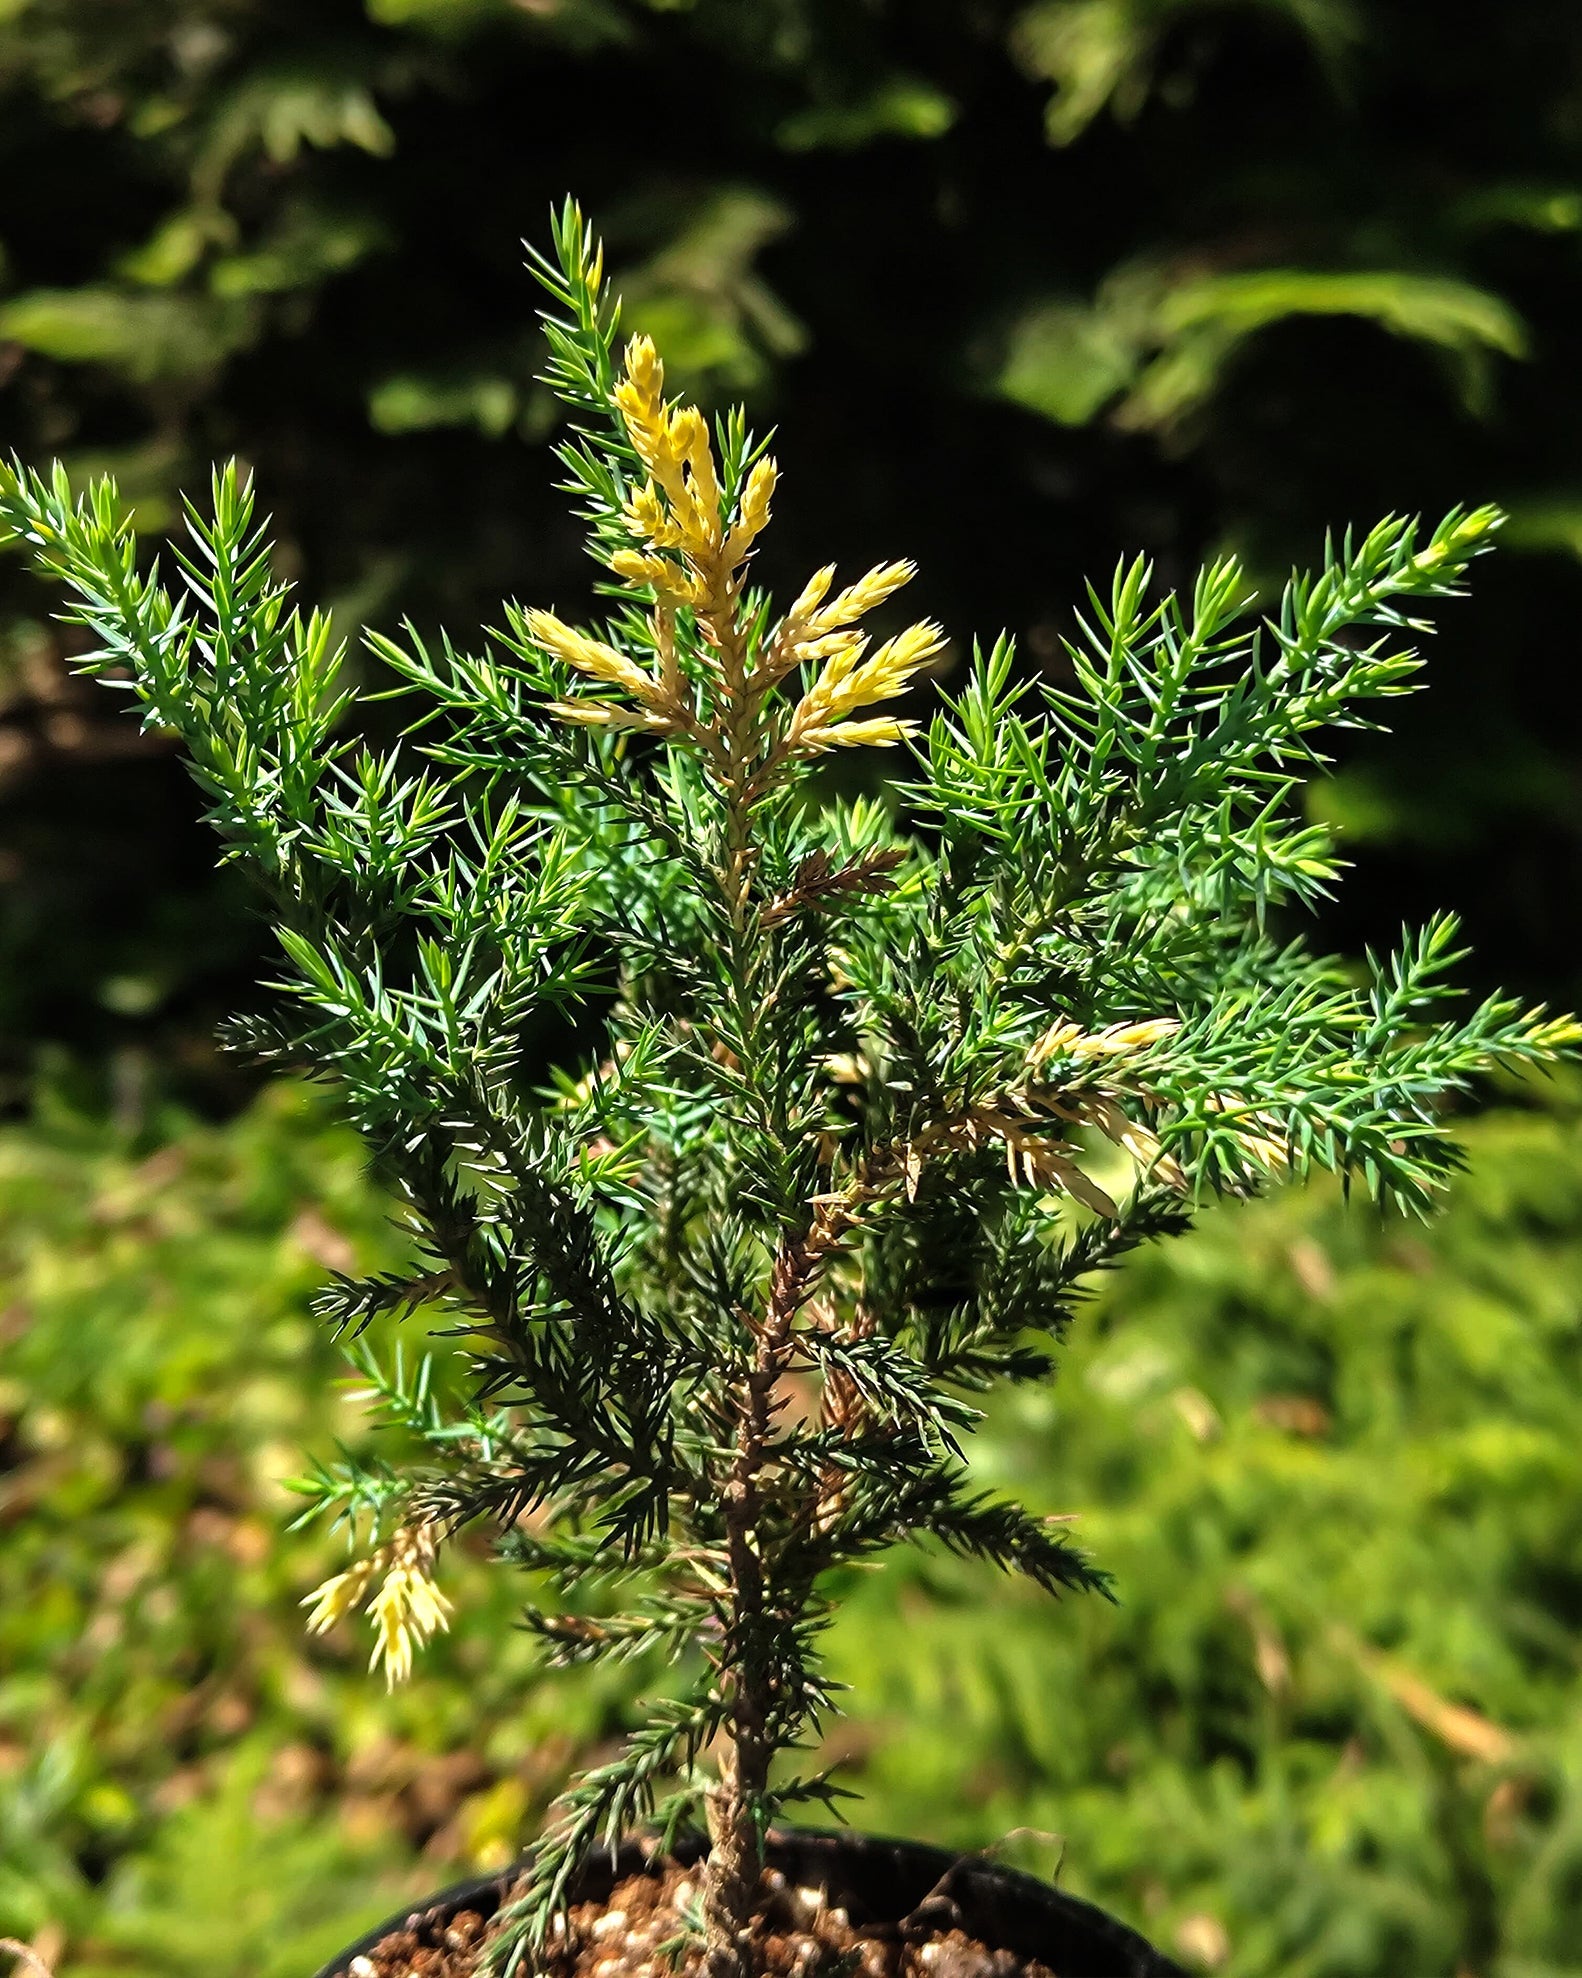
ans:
x=846 y=1145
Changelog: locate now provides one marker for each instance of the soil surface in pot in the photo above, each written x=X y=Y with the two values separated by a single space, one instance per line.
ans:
x=642 y=1930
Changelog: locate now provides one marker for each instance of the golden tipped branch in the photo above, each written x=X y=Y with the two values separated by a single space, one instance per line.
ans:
x=406 y=1607
x=688 y=549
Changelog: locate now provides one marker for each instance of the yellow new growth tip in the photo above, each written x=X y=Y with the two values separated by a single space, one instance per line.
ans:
x=408 y=1609
x=688 y=546
x=339 y=1596
x=662 y=710
x=849 y=682
x=681 y=506
x=590 y=656
x=1119 y=1040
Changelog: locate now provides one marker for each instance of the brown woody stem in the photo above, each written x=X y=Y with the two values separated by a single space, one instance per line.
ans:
x=730 y=1877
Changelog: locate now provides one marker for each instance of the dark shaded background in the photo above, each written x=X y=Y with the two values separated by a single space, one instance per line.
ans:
x=1024 y=288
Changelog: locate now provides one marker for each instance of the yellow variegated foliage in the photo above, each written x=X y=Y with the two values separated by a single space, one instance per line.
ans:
x=688 y=551
x=407 y=1608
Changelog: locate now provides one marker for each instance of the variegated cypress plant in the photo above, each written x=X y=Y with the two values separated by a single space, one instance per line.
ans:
x=846 y=1148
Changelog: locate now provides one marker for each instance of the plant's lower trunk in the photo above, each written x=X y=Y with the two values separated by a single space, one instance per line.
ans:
x=730 y=1879
x=730 y=1874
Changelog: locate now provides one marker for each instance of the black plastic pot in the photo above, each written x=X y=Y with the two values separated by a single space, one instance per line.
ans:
x=876 y=1881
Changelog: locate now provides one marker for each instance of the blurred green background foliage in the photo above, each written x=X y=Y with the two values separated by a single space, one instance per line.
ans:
x=1333 y=1728
x=1024 y=286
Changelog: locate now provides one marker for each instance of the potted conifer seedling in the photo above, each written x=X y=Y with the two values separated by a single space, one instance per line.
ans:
x=727 y=1282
